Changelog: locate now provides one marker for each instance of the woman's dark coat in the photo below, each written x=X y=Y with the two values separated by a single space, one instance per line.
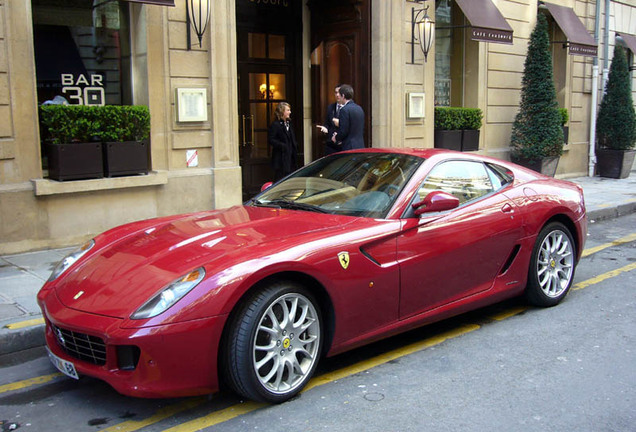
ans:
x=284 y=148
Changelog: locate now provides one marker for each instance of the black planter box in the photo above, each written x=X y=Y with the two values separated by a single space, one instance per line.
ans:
x=546 y=166
x=75 y=161
x=470 y=140
x=448 y=139
x=566 y=134
x=125 y=158
x=614 y=163
x=459 y=140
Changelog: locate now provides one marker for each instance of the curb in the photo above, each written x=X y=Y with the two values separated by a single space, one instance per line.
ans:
x=12 y=341
x=611 y=212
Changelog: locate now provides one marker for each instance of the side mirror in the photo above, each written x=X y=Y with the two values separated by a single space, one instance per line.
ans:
x=436 y=201
x=266 y=186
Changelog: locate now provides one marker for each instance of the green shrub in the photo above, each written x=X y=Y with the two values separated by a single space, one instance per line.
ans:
x=453 y=118
x=615 y=124
x=537 y=131
x=78 y=123
x=564 y=116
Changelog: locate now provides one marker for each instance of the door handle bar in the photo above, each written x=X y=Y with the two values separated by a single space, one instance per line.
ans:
x=243 y=143
x=252 y=136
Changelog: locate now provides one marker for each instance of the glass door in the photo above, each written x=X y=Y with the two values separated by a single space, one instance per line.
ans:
x=265 y=91
x=265 y=77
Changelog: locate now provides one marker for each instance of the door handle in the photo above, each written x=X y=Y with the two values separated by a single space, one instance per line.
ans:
x=251 y=140
x=243 y=143
x=507 y=208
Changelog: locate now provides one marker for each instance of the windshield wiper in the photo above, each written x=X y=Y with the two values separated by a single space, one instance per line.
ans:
x=286 y=204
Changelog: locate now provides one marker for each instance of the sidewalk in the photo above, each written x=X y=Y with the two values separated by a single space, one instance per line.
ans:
x=22 y=275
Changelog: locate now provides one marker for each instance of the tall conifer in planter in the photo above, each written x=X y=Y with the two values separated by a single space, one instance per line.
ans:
x=537 y=136
x=616 y=122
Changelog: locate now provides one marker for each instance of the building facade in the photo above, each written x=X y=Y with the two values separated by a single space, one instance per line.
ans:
x=211 y=101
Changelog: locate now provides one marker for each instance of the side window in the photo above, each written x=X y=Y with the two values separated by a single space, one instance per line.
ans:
x=499 y=176
x=465 y=180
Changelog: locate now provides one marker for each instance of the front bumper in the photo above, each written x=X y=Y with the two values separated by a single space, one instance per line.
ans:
x=174 y=359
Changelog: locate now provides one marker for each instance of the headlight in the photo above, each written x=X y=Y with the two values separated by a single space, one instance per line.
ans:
x=168 y=296
x=63 y=265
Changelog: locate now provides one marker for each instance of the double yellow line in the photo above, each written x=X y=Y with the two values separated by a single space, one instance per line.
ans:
x=234 y=411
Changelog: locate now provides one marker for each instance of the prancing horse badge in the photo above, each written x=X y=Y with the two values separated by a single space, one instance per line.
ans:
x=343 y=257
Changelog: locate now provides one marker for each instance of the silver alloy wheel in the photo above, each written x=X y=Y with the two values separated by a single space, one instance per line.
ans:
x=286 y=343
x=555 y=263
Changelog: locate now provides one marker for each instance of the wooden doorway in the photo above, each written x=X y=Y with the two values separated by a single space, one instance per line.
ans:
x=269 y=36
x=341 y=54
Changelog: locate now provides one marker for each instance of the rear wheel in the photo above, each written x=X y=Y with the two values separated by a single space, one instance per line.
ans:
x=551 y=266
x=274 y=343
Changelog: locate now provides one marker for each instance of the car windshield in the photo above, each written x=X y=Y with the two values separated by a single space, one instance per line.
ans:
x=354 y=184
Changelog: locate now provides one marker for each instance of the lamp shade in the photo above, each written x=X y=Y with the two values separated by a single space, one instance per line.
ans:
x=199 y=13
x=426 y=34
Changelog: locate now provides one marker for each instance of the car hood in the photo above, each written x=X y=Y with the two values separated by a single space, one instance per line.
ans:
x=134 y=262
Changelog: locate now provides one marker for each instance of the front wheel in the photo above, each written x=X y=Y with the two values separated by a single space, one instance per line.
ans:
x=552 y=266
x=274 y=343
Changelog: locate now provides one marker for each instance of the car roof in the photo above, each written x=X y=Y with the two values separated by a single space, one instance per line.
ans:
x=419 y=152
x=437 y=155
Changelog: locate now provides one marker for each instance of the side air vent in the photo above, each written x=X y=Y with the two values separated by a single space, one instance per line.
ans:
x=510 y=260
x=368 y=255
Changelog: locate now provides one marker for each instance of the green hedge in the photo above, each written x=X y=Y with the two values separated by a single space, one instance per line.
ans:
x=564 y=116
x=452 y=118
x=78 y=123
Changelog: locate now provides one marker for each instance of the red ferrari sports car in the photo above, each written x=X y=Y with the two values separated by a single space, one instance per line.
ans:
x=354 y=247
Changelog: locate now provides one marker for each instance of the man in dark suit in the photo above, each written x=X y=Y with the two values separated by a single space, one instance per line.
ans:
x=329 y=127
x=350 y=133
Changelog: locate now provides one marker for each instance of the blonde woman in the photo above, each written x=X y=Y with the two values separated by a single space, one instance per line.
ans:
x=283 y=141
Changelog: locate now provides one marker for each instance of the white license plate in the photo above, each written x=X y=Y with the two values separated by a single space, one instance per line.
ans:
x=66 y=367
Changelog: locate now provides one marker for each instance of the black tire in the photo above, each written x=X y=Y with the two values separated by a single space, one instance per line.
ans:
x=268 y=358
x=552 y=266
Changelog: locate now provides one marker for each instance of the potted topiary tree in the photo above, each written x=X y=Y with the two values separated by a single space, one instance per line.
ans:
x=537 y=135
x=457 y=128
x=70 y=135
x=564 y=119
x=447 y=133
x=125 y=133
x=470 y=129
x=615 y=123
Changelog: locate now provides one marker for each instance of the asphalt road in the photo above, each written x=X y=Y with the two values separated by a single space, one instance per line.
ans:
x=504 y=368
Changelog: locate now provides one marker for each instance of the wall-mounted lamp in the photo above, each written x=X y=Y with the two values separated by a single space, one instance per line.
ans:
x=197 y=14
x=263 y=90
x=422 y=30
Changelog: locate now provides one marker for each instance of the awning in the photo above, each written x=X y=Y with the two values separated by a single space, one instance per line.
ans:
x=487 y=23
x=579 y=40
x=630 y=41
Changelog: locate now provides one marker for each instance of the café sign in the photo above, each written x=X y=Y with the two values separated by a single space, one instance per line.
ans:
x=491 y=35
x=584 y=50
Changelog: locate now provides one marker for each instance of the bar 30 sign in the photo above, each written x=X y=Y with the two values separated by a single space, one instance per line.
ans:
x=83 y=90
